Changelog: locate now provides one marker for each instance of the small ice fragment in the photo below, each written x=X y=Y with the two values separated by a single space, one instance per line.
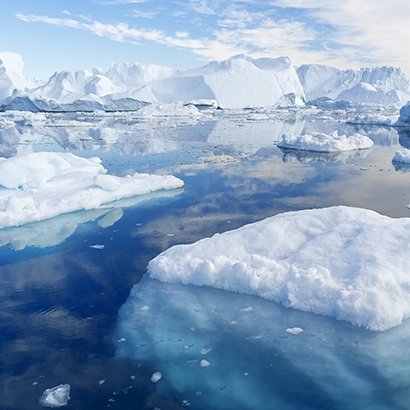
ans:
x=256 y=337
x=121 y=340
x=198 y=393
x=204 y=363
x=233 y=322
x=156 y=377
x=187 y=347
x=192 y=329
x=56 y=397
x=408 y=206
x=34 y=383
x=146 y=307
x=205 y=350
x=100 y=382
x=97 y=246
x=294 y=330
x=132 y=377
x=246 y=374
x=170 y=234
x=247 y=309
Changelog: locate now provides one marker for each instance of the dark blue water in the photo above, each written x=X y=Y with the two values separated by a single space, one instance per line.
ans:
x=59 y=299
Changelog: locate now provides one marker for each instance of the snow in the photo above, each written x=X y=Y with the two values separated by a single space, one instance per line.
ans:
x=56 y=397
x=321 y=142
x=42 y=185
x=324 y=261
x=402 y=156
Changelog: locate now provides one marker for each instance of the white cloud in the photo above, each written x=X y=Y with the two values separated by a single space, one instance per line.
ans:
x=373 y=31
x=343 y=33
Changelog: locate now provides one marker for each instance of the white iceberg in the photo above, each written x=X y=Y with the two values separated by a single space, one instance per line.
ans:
x=56 y=397
x=349 y=263
x=41 y=185
x=321 y=142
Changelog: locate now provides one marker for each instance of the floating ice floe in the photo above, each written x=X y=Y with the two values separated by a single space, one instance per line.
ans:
x=348 y=263
x=325 y=142
x=42 y=185
x=56 y=397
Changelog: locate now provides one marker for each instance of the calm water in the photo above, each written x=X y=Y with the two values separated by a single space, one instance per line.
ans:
x=60 y=293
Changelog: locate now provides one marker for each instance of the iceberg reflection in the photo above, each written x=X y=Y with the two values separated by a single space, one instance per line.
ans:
x=51 y=232
x=292 y=155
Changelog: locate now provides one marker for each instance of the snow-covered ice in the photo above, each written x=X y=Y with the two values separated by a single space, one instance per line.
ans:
x=321 y=142
x=42 y=185
x=348 y=263
x=56 y=397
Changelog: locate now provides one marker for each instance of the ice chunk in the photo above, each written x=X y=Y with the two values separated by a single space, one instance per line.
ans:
x=157 y=376
x=294 y=330
x=326 y=142
x=344 y=262
x=56 y=397
x=42 y=185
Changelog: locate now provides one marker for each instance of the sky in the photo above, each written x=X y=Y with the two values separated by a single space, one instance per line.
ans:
x=56 y=35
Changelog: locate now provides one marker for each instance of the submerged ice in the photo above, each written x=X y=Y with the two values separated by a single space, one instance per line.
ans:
x=257 y=356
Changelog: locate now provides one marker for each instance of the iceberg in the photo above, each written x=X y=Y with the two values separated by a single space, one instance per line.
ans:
x=404 y=118
x=378 y=85
x=321 y=142
x=347 y=263
x=42 y=185
x=238 y=82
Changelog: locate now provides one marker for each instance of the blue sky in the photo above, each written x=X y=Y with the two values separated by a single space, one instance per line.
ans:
x=55 y=35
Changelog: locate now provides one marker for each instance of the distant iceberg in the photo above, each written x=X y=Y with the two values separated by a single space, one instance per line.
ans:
x=238 y=82
x=379 y=85
x=348 y=263
x=41 y=185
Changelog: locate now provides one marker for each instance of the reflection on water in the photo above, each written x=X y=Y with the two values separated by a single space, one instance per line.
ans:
x=51 y=232
x=290 y=155
x=61 y=292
